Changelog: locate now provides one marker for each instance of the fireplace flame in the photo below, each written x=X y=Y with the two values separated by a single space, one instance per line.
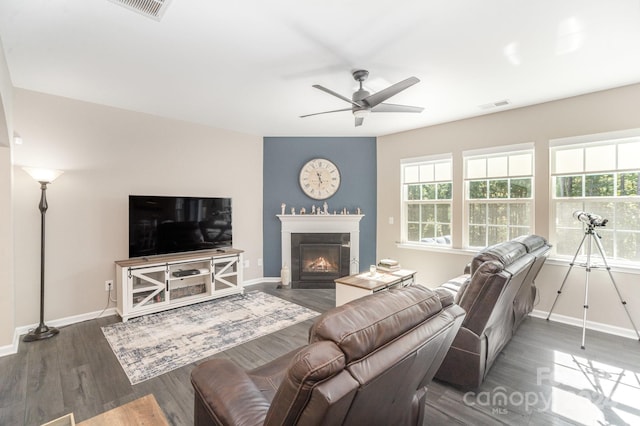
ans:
x=320 y=264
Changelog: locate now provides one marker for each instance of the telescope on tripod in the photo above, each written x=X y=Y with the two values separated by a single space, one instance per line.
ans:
x=591 y=221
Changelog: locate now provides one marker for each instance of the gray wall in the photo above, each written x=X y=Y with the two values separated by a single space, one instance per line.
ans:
x=283 y=158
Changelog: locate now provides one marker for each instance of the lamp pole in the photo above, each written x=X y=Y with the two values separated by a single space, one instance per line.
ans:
x=42 y=331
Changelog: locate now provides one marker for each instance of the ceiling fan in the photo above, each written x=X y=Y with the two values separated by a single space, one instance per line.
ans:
x=363 y=103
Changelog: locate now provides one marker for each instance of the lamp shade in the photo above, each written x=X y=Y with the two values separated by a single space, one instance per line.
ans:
x=43 y=175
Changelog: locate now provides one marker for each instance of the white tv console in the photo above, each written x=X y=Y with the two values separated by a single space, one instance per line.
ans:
x=157 y=283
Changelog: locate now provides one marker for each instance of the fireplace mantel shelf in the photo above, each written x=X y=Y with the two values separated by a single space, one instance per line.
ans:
x=328 y=217
x=320 y=223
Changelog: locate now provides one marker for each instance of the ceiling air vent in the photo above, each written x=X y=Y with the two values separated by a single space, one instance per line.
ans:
x=496 y=104
x=153 y=9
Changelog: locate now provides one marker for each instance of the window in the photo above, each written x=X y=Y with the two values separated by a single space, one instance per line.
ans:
x=599 y=177
x=498 y=194
x=426 y=200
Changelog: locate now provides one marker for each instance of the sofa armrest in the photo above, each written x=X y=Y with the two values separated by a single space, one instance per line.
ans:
x=268 y=377
x=456 y=286
x=446 y=296
x=228 y=394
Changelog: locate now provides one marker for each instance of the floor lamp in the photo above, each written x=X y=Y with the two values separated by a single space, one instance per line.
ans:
x=44 y=177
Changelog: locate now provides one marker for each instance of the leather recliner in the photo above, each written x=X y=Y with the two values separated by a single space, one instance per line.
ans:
x=367 y=362
x=497 y=292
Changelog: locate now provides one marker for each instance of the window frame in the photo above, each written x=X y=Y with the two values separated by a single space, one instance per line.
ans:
x=508 y=175
x=613 y=232
x=427 y=161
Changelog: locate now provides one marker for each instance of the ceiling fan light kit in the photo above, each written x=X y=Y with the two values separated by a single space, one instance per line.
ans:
x=361 y=113
x=363 y=103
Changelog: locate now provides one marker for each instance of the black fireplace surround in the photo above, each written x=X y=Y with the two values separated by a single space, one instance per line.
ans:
x=317 y=259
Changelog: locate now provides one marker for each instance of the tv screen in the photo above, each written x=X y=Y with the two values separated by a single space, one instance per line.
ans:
x=161 y=224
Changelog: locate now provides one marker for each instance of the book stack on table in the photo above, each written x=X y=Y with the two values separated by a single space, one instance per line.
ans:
x=388 y=265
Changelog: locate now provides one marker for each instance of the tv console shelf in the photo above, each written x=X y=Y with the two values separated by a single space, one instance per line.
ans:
x=157 y=283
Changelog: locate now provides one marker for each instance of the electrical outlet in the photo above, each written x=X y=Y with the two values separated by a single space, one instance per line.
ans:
x=247 y=264
x=108 y=285
x=260 y=262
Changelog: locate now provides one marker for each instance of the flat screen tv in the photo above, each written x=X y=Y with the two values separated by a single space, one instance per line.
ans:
x=161 y=224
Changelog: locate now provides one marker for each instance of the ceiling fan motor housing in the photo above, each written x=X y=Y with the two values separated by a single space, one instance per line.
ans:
x=360 y=75
x=360 y=94
x=358 y=97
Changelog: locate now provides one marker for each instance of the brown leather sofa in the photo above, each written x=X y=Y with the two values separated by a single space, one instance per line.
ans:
x=367 y=362
x=497 y=292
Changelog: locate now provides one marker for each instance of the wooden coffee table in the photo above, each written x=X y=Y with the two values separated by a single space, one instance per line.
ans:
x=358 y=285
x=142 y=411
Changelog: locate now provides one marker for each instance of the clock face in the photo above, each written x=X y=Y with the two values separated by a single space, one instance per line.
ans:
x=319 y=178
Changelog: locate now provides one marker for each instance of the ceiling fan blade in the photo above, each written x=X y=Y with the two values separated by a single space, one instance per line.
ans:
x=325 y=112
x=396 y=108
x=394 y=89
x=359 y=121
x=337 y=95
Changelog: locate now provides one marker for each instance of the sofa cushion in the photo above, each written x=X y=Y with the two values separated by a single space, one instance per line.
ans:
x=505 y=253
x=531 y=242
x=358 y=331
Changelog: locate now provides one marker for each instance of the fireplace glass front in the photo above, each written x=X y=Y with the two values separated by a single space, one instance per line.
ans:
x=318 y=259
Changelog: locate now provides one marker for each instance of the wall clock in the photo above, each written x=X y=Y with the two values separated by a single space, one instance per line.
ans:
x=319 y=178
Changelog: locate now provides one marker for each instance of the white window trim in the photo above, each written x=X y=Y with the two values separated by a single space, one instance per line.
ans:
x=605 y=138
x=437 y=248
x=500 y=149
x=403 y=211
x=424 y=159
x=616 y=266
x=528 y=147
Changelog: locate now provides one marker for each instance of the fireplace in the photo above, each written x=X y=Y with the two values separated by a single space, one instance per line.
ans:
x=319 y=258
x=347 y=226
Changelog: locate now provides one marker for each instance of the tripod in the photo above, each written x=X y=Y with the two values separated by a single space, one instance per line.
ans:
x=589 y=236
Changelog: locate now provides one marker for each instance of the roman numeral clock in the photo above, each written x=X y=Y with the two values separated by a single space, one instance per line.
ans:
x=319 y=178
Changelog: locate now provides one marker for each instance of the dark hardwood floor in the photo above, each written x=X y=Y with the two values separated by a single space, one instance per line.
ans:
x=541 y=378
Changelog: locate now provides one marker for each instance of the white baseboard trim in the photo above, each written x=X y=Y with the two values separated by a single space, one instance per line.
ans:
x=591 y=325
x=10 y=349
x=24 y=329
x=261 y=280
x=19 y=331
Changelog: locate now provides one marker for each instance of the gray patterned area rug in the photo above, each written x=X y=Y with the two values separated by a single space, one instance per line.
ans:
x=152 y=345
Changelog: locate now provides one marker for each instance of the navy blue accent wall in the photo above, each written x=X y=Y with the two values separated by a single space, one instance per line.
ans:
x=283 y=159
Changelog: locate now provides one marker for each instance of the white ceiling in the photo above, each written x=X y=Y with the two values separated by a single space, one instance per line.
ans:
x=248 y=65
